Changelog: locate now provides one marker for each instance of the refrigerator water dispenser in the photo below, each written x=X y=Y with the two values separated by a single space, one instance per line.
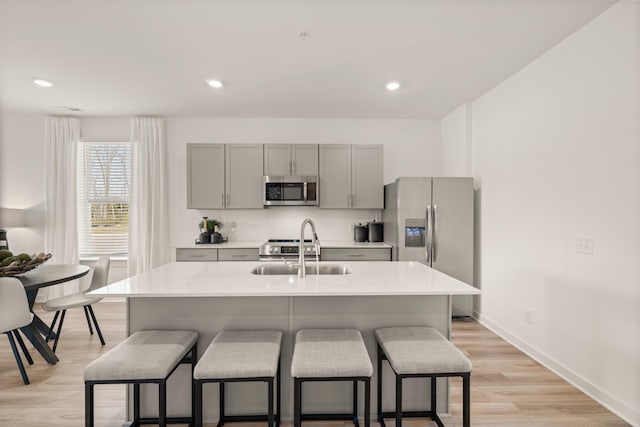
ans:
x=414 y=232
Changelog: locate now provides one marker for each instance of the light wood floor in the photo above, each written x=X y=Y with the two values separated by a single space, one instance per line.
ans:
x=508 y=388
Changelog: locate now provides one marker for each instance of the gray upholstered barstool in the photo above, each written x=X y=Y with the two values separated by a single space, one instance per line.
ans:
x=240 y=356
x=144 y=357
x=331 y=355
x=421 y=352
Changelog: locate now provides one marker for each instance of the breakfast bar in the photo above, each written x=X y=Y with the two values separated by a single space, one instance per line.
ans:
x=209 y=297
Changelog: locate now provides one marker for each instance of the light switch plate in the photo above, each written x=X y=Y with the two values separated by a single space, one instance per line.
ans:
x=584 y=245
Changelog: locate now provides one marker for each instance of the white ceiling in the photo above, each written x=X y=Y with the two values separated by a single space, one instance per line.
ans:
x=144 y=57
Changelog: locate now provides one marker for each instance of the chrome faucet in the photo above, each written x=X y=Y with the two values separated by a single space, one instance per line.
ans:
x=316 y=243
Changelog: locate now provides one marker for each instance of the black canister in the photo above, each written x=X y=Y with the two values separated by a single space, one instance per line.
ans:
x=360 y=233
x=375 y=231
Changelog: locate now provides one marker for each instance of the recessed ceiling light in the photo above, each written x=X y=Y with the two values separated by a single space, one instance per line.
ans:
x=42 y=83
x=214 y=83
x=393 y=86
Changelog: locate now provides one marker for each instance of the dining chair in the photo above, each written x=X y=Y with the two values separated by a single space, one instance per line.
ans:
x=14 y=314
x=99 y=274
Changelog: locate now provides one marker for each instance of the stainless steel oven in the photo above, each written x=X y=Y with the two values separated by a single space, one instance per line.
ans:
x=287 y=249
x=290 y=190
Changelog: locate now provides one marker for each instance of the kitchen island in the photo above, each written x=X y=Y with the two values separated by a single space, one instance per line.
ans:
x=211 y=296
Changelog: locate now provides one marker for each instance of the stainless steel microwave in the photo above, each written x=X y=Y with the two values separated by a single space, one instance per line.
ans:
x=290 y=190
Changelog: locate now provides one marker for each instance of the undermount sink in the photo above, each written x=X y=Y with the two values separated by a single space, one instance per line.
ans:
x=311 y=269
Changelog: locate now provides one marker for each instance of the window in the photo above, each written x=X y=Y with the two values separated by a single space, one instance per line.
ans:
x=103 y=178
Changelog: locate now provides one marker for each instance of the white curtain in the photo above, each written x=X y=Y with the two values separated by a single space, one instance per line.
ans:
x=149 y=208
x=61 y=226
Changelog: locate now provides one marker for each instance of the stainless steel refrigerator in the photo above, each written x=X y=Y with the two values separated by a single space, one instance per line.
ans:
x=430 y=220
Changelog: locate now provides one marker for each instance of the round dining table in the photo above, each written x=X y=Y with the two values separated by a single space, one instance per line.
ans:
x=41 y=277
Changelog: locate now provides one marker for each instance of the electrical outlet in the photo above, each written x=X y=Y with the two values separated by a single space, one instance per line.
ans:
x=528 y=316
x=584 y=245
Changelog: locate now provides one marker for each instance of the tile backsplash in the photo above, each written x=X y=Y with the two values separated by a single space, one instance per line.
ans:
x=273 y=222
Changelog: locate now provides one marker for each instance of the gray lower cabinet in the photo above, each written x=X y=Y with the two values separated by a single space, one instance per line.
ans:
x=351 y=176
x=355 y=254
x=244 y=254
x=214 y=254
x=196 y=254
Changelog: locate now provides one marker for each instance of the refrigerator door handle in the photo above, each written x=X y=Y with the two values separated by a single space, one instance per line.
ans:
x=434 y=241
x=428 y=226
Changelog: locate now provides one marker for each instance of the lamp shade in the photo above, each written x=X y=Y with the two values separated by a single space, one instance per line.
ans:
x=11 y=217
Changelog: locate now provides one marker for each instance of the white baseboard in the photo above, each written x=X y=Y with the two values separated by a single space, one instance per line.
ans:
x=621 y=409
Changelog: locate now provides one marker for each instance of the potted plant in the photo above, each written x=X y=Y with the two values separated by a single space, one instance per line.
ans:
x=211 y=225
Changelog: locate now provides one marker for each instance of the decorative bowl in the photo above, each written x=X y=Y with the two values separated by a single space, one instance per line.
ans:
x=14 y=270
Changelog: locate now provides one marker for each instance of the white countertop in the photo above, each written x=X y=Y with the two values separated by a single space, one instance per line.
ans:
x=251 y=244
x=233 y=279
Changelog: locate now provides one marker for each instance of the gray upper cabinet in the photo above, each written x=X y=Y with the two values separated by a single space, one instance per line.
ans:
x=243 y=172
x=335 y=176
x=205 y=176
x=304 y=159
x=277 y=159
x=287 y=159
x=351 y=176
x=367 y=182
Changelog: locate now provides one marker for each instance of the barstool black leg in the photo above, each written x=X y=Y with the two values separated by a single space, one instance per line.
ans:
x=197 y=400
x=221 y=410
x=433 y=395
x=379 y=401
x=367 y=402
x=270 y=418
x=355 y=404
x=466 y=401
x=278 y=396
x=297 y=402
x=162 y=399
x=194 y=357
x=398 y=401
x=88 y=405
x=136 y=402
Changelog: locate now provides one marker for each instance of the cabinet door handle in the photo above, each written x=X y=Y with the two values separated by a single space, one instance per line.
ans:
x=228 y=198
x=356 y=255
x=434 y=241
x=223 y=200
x=294 y=167
x=290 y=170
x=196 y=256
x=427 y=245
x=238 y=255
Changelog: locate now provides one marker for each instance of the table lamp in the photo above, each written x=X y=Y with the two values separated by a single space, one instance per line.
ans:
x=9 y=218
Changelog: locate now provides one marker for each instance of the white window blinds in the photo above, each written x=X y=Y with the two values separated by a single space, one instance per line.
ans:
x=104 y=175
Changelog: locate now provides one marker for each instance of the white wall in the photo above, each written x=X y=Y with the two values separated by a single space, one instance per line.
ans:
x=22 y=178
x=456 y=142
x=556 y=155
